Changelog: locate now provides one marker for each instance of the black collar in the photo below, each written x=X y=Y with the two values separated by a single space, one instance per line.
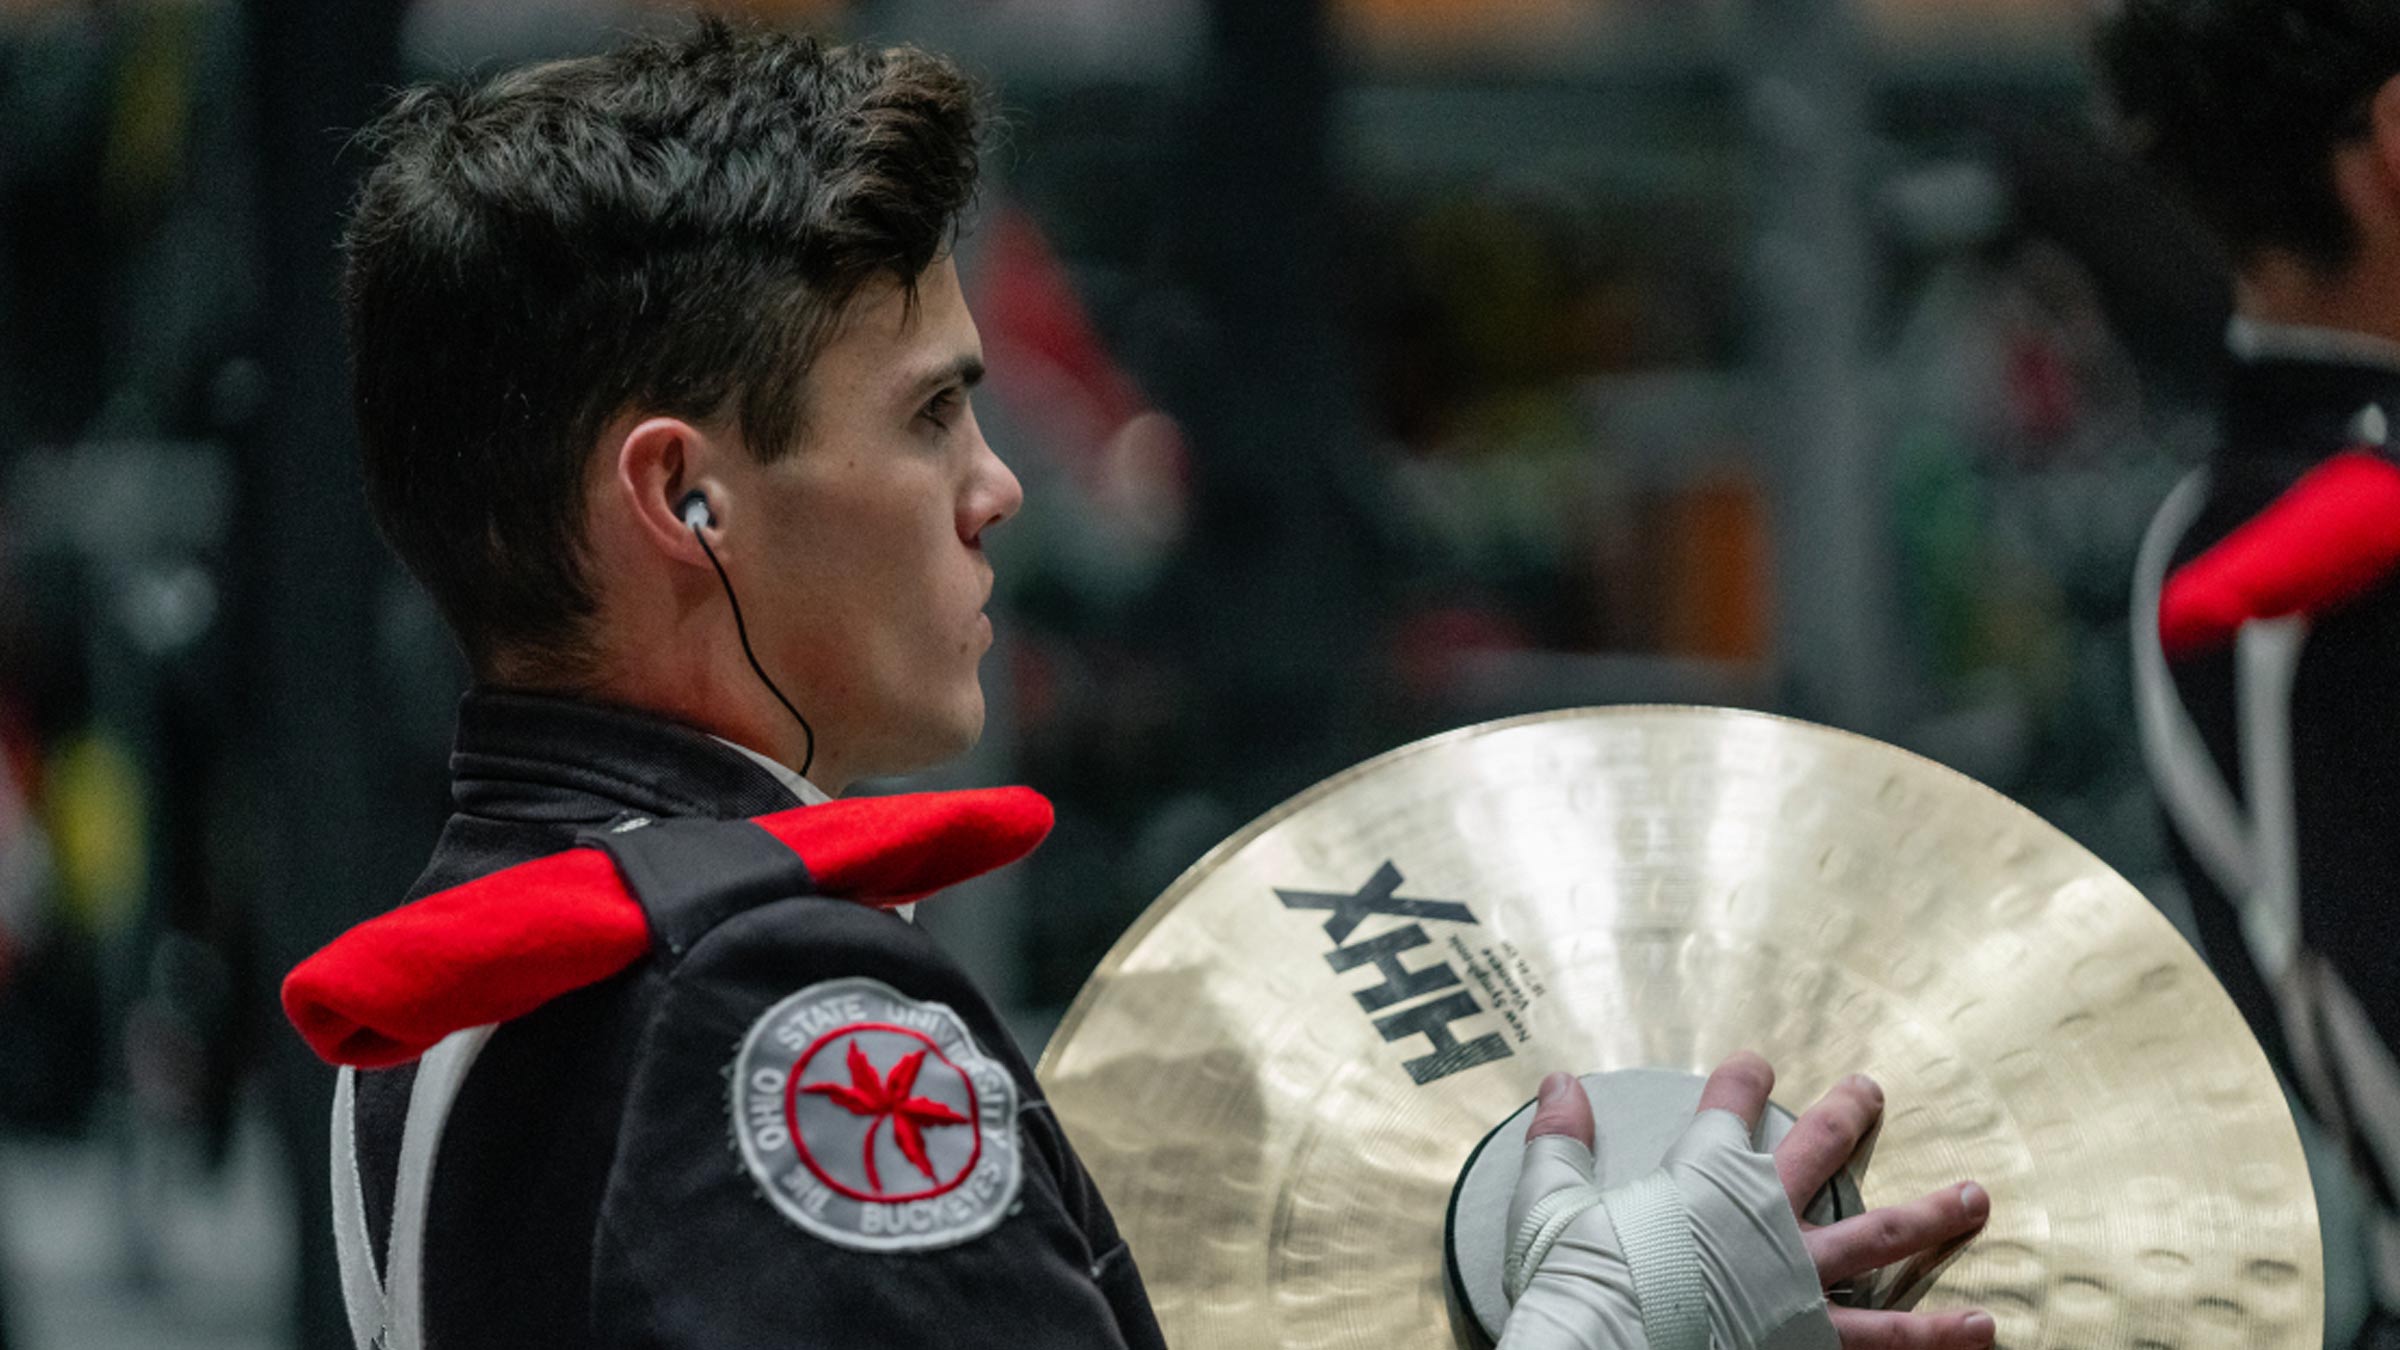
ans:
x=545 y=760
x=2282 y=408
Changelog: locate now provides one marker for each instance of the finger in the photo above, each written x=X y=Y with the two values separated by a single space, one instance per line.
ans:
x=1879 y=1237
x=1558 y=1147
x=1824 y=1138
x=1862 y=1329
x=1740 y=1085
x=1560 y=1111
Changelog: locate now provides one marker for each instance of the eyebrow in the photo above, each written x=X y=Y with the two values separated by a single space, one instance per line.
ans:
x=964 y=370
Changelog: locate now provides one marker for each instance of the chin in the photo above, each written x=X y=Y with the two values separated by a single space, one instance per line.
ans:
x=967 y=730
x=942 y=736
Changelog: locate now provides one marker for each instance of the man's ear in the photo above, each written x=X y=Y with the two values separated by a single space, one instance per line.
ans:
x=660 y=463
x=2383 y=134
x=2366 y=173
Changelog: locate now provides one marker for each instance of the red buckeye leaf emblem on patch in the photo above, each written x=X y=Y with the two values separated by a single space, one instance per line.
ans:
x=886 y=1096
x=872 y=1102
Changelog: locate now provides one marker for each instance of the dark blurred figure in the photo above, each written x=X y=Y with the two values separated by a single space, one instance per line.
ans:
x=2267 y=624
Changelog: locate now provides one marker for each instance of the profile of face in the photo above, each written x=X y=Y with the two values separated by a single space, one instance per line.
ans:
x=859 y=553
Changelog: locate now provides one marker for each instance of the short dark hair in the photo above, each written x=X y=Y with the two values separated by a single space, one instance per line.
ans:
x=678 y=227
x=2242 y=103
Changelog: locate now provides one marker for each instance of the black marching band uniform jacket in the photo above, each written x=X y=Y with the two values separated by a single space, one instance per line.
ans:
x=633 y=1069
x=2267 y=658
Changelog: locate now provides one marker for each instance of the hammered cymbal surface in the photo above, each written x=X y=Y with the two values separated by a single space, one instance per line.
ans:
x=1609 y=889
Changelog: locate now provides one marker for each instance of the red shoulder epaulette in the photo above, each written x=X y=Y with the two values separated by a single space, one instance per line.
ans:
x=2328 y=539
x=505 y=944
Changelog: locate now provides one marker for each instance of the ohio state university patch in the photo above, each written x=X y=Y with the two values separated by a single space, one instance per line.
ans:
x=874 y=1121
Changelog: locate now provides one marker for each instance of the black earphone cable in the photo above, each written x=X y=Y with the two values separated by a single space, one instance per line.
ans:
x=742 y=631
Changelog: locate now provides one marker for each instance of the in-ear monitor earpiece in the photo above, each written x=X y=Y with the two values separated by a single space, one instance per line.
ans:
x=697 y=516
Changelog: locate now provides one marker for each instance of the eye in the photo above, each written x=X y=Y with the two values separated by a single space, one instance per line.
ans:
x=942 y=408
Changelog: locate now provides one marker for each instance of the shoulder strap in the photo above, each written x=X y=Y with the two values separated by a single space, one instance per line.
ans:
x=2331 y=537
x=691 y=875
x=495 y=948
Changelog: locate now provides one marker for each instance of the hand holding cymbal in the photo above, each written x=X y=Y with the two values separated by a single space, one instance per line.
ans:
x=1576 y=1270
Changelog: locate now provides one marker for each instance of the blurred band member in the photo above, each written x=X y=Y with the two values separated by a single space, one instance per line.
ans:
x=2267 y=618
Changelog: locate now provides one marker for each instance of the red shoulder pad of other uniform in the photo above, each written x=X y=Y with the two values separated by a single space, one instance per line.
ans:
x=503 y=945
x=2329 y=539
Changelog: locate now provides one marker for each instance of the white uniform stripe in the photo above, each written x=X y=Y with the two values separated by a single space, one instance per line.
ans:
x=2372 y=1078
x=2266 y=663
x=2189 y=785
x=362 y=1293
x=440 y=1075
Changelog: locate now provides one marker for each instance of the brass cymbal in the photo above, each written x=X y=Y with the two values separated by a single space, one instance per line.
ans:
x=1278 y=1073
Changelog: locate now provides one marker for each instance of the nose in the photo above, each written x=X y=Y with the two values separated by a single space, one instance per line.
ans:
x=993 y=496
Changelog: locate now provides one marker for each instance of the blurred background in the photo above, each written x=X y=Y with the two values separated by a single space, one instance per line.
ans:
x=1374 y=367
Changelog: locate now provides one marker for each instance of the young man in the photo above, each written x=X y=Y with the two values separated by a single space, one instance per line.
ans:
x=663 y=372
x=2267 y=621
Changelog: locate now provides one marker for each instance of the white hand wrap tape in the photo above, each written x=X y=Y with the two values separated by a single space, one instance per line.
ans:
x=1535 y=1236
x=1703 y=1252
x=1656 y=1230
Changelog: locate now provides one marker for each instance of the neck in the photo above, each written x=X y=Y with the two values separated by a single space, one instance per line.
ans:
x=697 y=676
x=2362 y=297
x=739 y=709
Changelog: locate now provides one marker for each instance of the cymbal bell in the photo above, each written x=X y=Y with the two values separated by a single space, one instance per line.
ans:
x=1278 y=1073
